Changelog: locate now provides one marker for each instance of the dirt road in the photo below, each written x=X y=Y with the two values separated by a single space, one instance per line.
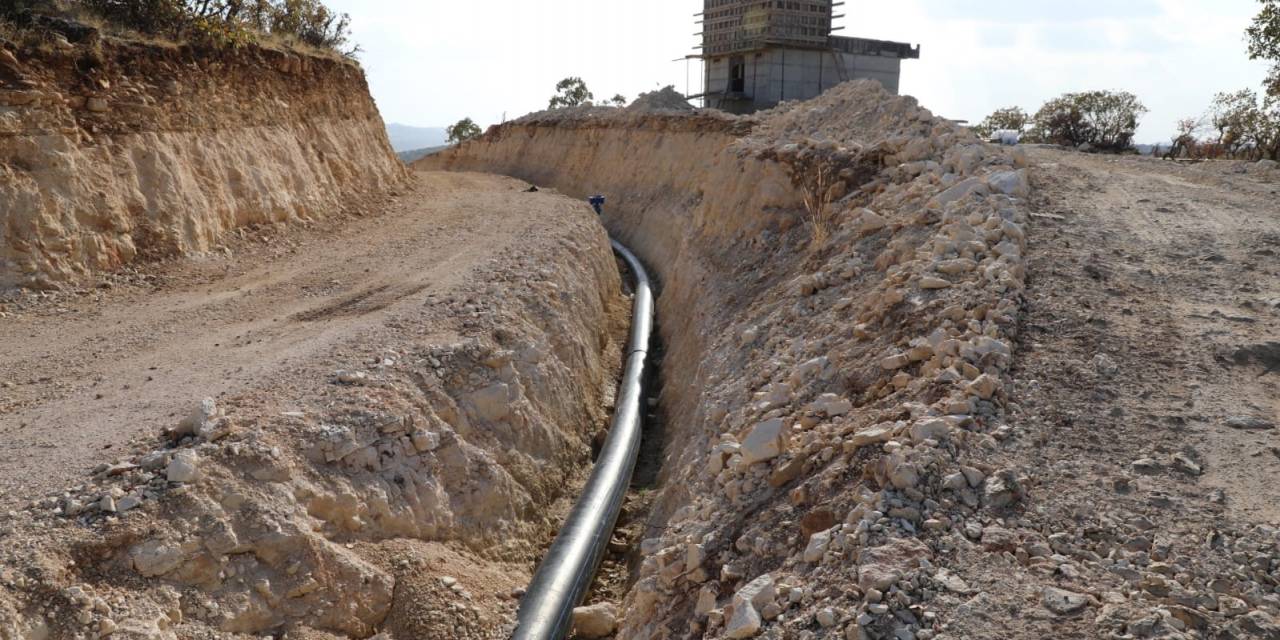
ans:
x=83 y=374
x=1174 y=275
x=1147 y=403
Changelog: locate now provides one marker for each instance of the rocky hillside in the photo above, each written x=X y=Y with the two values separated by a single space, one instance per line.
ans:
x=112 y=149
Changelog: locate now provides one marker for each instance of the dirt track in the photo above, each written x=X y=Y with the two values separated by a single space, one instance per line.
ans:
x=83 y=374
x=1165 y=281
x=1152 y=291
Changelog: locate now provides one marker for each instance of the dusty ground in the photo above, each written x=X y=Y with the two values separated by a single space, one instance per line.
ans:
x=1165 y=281
x=84 y=374
x=1116 y=479
x=1153 y=294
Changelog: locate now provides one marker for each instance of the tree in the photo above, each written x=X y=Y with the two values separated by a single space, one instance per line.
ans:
x=571 y=92
x=464 y=130
x=1009 y=118
x=1234 y=117
x=1264 y=42
x=618 y=100
x=1240 y=124
x=1104 y=120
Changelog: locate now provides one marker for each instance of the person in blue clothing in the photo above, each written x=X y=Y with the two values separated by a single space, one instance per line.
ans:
x=597 y=203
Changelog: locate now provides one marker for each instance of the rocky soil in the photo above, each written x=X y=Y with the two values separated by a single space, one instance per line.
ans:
x=368 y=426
x=921 y=387
x=1145 y=406
x=913 y=387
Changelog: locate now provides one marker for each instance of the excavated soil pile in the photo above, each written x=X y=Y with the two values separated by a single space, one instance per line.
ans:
x=843 y=282
x=665 y=99
x=113 y=149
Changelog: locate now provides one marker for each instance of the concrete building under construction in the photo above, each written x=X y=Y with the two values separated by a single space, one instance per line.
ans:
x=757 y=53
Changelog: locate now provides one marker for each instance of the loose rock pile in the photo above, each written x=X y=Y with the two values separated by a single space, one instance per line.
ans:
x=839 y=475
x=664 y=99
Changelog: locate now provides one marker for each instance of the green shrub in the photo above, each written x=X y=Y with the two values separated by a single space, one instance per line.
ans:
x=1007 y=119
x=1104 y=120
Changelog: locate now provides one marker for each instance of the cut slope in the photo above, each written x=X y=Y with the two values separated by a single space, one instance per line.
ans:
x=115 y=150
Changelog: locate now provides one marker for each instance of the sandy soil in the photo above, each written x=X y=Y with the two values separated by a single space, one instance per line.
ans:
x=82 y=374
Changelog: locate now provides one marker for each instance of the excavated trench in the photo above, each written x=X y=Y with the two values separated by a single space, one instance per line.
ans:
x=836 y=275
x=839 y=290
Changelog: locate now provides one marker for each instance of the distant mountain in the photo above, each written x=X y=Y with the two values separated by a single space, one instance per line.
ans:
x=409 y=157
x=407 y=138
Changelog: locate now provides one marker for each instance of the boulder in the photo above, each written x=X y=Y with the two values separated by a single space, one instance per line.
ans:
x=184 y=467
x=766 y=441
x=758 y=592
x=492 y=403
x=1063 y=602
x=744 y=623
x=1011 y=183
x=596 y=621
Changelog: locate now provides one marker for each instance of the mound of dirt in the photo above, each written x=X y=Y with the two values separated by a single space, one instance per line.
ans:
x=664 y=99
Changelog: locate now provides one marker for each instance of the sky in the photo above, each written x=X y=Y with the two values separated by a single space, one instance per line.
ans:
x=432 y=62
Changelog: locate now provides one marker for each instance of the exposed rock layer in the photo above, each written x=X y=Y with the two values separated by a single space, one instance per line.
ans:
x=114 y=150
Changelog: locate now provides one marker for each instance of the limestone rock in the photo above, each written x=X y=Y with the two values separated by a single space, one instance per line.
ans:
x=880 y=567
x=832 y=405
x=758 y=592
x=1002 y=489
x=985 y=387
x=766 y=441
x=930 y=429
x=879 y=433
x=934 y=282
x=826 y=617
x=744 y=623
x=155 y=558
x=1063 y=602
x=1010 y=183
x=706 y=601
x=1250 y=423
x=203 y=414
x=492 y=403
x=595 y=621
x=962 y=189
x=870 y=222
x=184 y=467
x=817 y=546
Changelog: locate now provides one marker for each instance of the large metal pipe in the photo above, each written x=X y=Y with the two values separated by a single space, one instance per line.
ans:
x=565 y=574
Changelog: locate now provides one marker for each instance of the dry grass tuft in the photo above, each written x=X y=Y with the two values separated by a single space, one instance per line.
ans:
x=817 y=193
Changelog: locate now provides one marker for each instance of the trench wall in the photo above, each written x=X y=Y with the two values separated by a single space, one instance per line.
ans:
x=111 y=150
x=683 y=195
x=835 y=275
